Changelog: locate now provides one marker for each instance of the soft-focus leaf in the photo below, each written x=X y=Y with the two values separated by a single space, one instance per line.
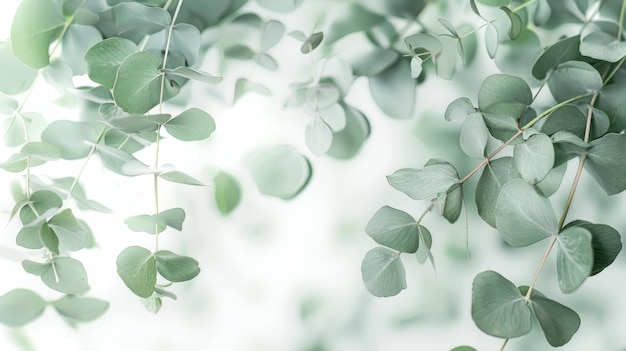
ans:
x=424 y=45
x=176 y=268
x=318 y=136
x=491 y=40
x=193 y=74
x=39 y=203
x=82 y=309
x=574 y=259
x=132 y=21
x=395 y=229
x=180 y=177
x=281 y=171
x=374 y=62
x=429 y=181
x=603 y=46
x=75 y=43
x=312 y=42
x=459 y=109
x=498 y=308
x=36 y=24
x=574 y=78
x=383 y=272
x=281 y=6
x=354 y=18
x=523 y=217
x=22 y=76
x=72 y=235
x=72 y=138
x=606 y=162
x=227 y=192
x=272 y=33
x=138 y=269
x=20 y=306
x=453 y=204
x=348 y=141
x=516 y=23
x=243 y=86
x=393 y=90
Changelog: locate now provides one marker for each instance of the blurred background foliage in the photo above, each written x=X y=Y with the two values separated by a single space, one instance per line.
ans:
x=285 y=274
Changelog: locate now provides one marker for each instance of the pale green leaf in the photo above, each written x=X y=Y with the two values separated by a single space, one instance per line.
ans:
x=193 y=74
x=354 y=18
x=132 y=20
x=20 y=306
x=180 y=177
x=395 y=229
x=603 y=46
x=459 y=109
x=137 y=268
x=374 y=62
x=82 y=309
x=39 y=203
x=76 y=41
x=72 y=235
x=606 y=162
x=312 y=42
x=22 y=76
x=393 y=90
x=176 y=268
x=491 y=40
x=41 y=151
x=429 y=181
x=104 y=58
x=191 y=125
x=35 y=268
x=281 y=6
x=574 y=259
x=534 y=158
x=474 y=135
x=423 y=45
x=227 y=192
x=272 y=33
x=66 y=275
x=281 y=171
x=72 y=138
x=347 y=142
x=502 y=88
x=383 y=272
x=335 y=116
x=516 y=23
x=606 y=243
x=574 y=78
x=318 y=136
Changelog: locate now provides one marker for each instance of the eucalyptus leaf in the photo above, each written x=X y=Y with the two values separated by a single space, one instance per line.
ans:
x=39 y=203
x=22 y=76
x=19 y=307
x=281 y=171
x=606 y=162
x=273 y=31
x=395 y=229
x=72 y=235
x=429 y=181
x=523 y=217
x=227 y=192
x=67 y=275
x=606 y=243
x=82 y=309
x=243 y=86
x=574 y=259
x=534 y=158
x=459 y=109
x=516 y=23
x=180 y=177
x=281 y=6
x=550 y=184
x=191 y=125
x=176 y=268
x=71 y=138
x=36 y=25
x=76 y=41
x=603 y=46
x=354 y=18
x=474 y=135
x=312 y=42
x=348 y=141
x=498 y=308
x=318 y=136
x=502 y=88
x=138 y=269
x=574 y=78
x=393 y=90
x=491 y=40
x=374 y=62
x=560 y=52
x=453 y=204
x=35 y=268
x=383 y=272
x=132 y=20
x=193 y=74
x=423 y=45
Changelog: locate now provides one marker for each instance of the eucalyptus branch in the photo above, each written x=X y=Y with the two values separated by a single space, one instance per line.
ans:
x=514 y=10
x=84 y=165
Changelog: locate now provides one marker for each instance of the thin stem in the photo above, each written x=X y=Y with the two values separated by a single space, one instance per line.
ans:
x=514 y=10
x=167 y=51
x=155 y=182
x=542 y=263
x=54 y=269
x=621 y=20
x=490 y=156
x=617 y=67
x=84 y=166
x=428 y=209
x=506 y=341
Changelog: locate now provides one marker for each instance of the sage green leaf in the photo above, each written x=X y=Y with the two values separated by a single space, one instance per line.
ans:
x=334 y=116
x=76 y=42
x=176 y=268
x=15 y=164
x=66 y=275
x=22 y=76
x=185 y=40
x=516 y=23
x=374 y=62
x=72 y=138
x=39 y=203
x=393 y=90
x=180 y=177
x=354 y=18
x=152 y=303
x=154 y=224
x=29 y=237
x=173 y=217
x=423 y=45
x=426 y=242
x=239 y=52
x=137 y=88
x=35 y=268
x=48 y=238
x=395 y=229
x=104 y=58
x=318 y=136
x=281 y=171
x=474 y=135
x=273 y=31
x=502 y=118
x=193 y=74
x=449 y=27
x=82 y=309
x=397 y=8
x=463 y=348
x=559 y=52
x=574 y=259
x=516 y=57
x=567 y=146
x=550 y=184
x=568 y=118
x=266 y=61
x=523 y=217
x=312 y=42
x=383 y=272
x=41 y=151
x=495 y=2
x=502 y=88
x=459 y=109
x=416 y=67
x=227 y=192
x=574 y=78
x=139 y=123
x=281 y=6
x=542 y=12
x=19 y=307
x=603 y=46
x=36 y=24
x=243 y=86
x=132 y=20
x=72 y=235
x=348 y=141
x=558 y=322
x=137 y=268
x=606 y=243
x=453 y=204
x=428 y=181
x=445 y=62
x=322 y=96
x=606 y=162
x=491 y=39
x=498 y=308
x=534 y=158
x=191 y=125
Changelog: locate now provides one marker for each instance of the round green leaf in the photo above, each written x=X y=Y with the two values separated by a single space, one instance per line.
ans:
x=523 y=217
x=137 y=268
x=39 y=203
x=35 y=268
x=22 y=76
x=383 y=272
x=491 y=39
x=318 y=136
x=606 y=243
x=463 y=348
x=227 y=192
x=606 y=162
x=72 y=138
x=603 y=46
x=132 y=20
x=550 y=184
x=280 y=5
x=137 y=87
x=191 y=125
x=36 y=24
x=574 y=259
x=574 y=78
x=429 y=181
x=281 y=171
x=66 y=275
x=72 y=235
x=19 y=307
x=560 y=52
x=374 y=62
x=569 y=118
x=474 y=135
x=498 y=308
x=393 y=90
x=348 y=141
x=272 y=33
x=459 y=109
x=534 y=158
x=176 y=268
x=453 y=204
x=104 y=58
x=502 y=88
x=82 y=309
x=395 y=229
